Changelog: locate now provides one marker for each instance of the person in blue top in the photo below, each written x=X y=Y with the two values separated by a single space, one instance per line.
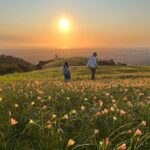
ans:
x=92 y=64
x=66 y=72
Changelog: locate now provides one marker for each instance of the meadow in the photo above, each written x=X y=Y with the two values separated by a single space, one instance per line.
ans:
x=38 y=111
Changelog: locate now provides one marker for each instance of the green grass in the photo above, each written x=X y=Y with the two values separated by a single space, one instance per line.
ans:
x=103 y=72
x=96 y=115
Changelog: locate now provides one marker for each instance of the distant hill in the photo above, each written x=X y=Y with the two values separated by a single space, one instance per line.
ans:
x=10 y=64
x=74 y=61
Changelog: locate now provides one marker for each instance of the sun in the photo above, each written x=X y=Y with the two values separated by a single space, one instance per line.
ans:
x=64 y=25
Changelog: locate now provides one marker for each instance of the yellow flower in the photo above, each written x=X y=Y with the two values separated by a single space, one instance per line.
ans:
x=82 y=108
x=96 y=131
x=1 y=99
x=13 y=121
x=114 y=118
x=70 y=142
x=16 y=105
x=39 y=98
x=73 y=111
x=53 y=116
x=112 y=109
x=143 y=123
x=44 y=107
x=31 y=121
x=32 y=103
x=65 y=117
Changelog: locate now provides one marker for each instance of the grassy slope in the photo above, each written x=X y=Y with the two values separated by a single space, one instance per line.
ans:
x=39 y=108
x=83 y=73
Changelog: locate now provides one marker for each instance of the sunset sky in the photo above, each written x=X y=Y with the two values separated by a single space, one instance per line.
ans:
x=92 y=23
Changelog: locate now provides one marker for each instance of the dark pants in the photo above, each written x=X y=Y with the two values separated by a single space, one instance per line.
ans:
x=93 y=71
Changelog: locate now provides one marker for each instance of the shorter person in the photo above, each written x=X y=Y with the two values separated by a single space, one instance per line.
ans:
x=66 y=72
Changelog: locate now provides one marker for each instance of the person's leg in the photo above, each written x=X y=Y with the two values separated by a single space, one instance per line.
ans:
x=93 y=70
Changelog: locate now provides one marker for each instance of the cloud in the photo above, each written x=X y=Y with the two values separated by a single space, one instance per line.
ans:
x=14 y=38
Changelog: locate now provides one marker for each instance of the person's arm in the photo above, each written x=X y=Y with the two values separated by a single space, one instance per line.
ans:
x=95 y=62
x=88 y=63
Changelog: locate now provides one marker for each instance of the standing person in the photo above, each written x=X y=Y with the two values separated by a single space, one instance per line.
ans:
x=92 y=64
x=66 y=72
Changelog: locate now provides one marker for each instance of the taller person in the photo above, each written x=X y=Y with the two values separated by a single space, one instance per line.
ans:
x=92 y=64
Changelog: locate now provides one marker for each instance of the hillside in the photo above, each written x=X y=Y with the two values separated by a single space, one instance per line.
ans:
x=73 y=61
x=10 y=64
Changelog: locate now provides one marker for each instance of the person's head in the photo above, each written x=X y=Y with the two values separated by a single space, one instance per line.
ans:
x=95 y=54
x=66 y=64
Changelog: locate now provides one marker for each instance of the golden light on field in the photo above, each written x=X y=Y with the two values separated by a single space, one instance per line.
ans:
x=64 y=25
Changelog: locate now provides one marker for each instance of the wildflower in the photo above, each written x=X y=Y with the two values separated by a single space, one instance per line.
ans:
x=85 y=99
x=138 y=132
x=112 y=109
x=122 y=147
x=13 y=121
x=49 y=97
x=65 y=117
x=49 y=126
x=82 y=108
x=143 y=123
x=68 y=98
x=16 y=105
x=101 y=103
x=70 y=142
x=141 y=94
x=98 y=113
x=96 y=131
x=39 y=98
x=101 y=142
x=126 y=90
x=114 y=118
x=53 y=116
x=129 y=131
x=107 y=94
x=113 y=101
x=107 y=141
x=31 y=121
x=73 y=111
x=32 y=103
x=122 y=112
x=44 y=107
x=105 y=111
x=125 y=98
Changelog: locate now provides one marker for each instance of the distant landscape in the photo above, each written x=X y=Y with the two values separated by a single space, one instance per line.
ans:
x=130 y=56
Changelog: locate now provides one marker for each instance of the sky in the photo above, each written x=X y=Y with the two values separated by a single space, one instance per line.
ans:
x=93 y=23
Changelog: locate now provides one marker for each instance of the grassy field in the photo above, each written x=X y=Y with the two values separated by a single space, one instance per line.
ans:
x=38 y=111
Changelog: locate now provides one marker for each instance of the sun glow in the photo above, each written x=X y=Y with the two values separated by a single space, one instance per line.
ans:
x=64 y=25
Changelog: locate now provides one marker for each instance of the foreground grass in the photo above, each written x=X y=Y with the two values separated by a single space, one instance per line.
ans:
x=42 y=113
